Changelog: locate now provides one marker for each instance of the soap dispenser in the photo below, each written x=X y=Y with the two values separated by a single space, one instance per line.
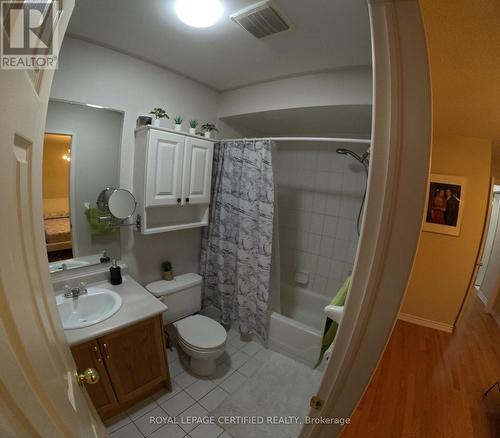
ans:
x=115 y=274
x=104 y=257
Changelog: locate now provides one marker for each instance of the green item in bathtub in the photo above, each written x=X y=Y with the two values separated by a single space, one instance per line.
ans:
x=98 y=227
x=331 y=327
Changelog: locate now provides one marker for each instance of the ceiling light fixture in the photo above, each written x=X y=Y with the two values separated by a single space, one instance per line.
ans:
x=199 y=13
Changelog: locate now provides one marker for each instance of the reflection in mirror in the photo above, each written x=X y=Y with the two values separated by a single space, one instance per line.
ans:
x=81 y=156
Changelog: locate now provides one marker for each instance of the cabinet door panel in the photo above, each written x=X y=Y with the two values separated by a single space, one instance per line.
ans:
x=197 y=171
x=135 y=358
x=164 y=168
x=87 y=355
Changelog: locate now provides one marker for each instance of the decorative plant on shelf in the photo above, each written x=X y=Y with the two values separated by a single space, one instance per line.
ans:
x=159 y=114
x=178 y=122
x=192 y=126
x=208 y=128
x=168 y=273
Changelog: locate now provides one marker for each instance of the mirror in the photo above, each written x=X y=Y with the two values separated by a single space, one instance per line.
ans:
x=81 y=156
x=119 y=203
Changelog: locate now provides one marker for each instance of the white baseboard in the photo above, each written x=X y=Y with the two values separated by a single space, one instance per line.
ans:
x=448 y=328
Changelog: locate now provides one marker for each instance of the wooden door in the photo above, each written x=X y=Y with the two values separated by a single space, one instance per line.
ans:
x=197 y=171
x=165 y=156
x=88 y=355
x=40 y=396
x=135 y=359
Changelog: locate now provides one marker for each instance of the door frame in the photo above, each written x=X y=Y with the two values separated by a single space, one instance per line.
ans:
x=490 y=305
x=486 y=230
x=395 y=203
x=479 y=255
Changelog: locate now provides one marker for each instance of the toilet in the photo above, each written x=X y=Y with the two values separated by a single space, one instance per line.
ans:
x=201 y=338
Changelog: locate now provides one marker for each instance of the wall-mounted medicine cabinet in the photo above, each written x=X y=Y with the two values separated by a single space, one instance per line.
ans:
x=172 y=178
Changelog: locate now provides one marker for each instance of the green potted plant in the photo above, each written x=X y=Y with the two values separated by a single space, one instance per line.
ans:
x=178 y=123
x=168 y=273
x=192 y=126
x=159 y=113
x=208 y=128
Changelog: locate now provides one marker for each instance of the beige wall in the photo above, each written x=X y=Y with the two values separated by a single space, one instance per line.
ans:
x=463 y=41
x=444 y=264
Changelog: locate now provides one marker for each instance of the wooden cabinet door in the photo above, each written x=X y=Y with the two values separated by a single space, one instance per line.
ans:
x=165 y=156
x=197 y=173
x=87 y=355
x=135 y=359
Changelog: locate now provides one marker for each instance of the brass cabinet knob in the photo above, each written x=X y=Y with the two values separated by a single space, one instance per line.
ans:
x=89 y=376
x=316 y=402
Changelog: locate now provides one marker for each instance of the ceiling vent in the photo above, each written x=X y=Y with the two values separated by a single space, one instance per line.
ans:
x=261 y=20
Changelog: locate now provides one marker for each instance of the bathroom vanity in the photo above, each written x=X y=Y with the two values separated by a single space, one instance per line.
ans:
x=127 y=350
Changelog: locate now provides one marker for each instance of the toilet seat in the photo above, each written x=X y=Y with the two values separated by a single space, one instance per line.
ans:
x=199 y=350
x=201 y=333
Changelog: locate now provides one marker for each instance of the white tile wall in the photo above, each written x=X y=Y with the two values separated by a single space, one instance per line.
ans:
x=319 y=195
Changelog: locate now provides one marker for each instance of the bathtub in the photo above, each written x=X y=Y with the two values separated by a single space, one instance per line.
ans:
x=296 y=330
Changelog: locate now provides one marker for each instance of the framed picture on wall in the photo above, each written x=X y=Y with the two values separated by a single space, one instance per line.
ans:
x=445 y=204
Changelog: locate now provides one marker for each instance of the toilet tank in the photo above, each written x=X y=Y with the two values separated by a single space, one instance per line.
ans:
x=182 y=296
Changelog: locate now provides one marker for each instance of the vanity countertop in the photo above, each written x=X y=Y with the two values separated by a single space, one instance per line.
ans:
x=138 y=304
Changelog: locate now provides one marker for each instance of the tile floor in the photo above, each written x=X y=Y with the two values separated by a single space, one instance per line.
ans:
x=191 y=395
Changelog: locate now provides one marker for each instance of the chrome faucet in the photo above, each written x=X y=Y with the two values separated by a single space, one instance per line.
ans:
x=75 y=292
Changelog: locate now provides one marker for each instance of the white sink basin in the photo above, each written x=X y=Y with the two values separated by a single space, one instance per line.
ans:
x=95 y=306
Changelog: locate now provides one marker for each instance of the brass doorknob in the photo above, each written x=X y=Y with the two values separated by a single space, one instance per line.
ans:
x=89 y=376
x=316 y=402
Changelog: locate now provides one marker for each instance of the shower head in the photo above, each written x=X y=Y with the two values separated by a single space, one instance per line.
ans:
x=363 y=159
x=349 y=152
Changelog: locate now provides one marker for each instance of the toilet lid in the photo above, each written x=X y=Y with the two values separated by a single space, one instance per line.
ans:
x=201 y=332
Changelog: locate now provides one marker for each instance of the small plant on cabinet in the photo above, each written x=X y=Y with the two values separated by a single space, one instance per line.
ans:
x=178 y=122
x=208 y=128
x=192 y=126
x=168 y=273
x=159 y=114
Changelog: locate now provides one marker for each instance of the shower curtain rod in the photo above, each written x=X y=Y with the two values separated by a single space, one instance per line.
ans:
x=326 y=139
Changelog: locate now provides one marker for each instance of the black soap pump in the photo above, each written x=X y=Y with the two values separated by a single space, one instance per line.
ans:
x=104 y=257
x=115 y=274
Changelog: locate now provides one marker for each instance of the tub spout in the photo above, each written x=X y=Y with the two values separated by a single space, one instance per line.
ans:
x=334 y=312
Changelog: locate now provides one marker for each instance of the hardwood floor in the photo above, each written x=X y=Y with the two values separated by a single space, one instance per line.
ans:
x=430 y=383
